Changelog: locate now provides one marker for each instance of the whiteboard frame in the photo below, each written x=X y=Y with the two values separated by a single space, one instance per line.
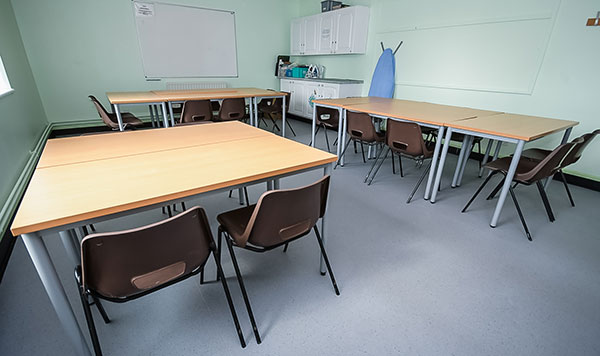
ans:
x=193 y=7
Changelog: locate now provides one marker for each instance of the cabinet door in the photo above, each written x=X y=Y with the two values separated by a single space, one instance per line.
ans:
x=326 y=33
x=311 y=90
x=311 y=43
x=285 y=85
x=297 y=36
x=297 y=98
x=328 y=91
x=344 y=32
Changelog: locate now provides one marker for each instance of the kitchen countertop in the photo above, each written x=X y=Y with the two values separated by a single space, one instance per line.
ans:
x=327 y=80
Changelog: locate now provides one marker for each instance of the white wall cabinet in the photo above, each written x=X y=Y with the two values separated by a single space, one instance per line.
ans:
x=340 y=31
x=302 y=90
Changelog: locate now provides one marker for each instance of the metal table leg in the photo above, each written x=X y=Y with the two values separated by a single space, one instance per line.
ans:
x=45 y=269
x=314 y=125
x=466 y=159
x=461 y=156
x=339 y=132
x=164 y=112
x=440 y=169
x=251 y=113
x=283 y=117
x=486 y=157
x=152 y=116
x=119 y=118
x=434 y=159
x=171 y=113
x=326 y=171
x=507 y=182
x=344 y=126
x=72 y=248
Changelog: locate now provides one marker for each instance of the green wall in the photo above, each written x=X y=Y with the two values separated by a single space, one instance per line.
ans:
x=77 y=48
x=22 y=117
x=566 y=85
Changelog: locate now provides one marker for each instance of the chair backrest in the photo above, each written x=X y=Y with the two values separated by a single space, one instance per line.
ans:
x=360 y=126
x=334 y=115
x=196 y=110
x=285 y=214
x=406 y=138
x=103 y=113
x=549 y=165
x=124 y=265
x=232 y=109
x=576 y=152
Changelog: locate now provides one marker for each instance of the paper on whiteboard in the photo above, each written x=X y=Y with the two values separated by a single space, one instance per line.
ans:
x=144 y=9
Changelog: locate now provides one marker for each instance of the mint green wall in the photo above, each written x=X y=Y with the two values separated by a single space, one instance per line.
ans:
x=22 y=118
x=77 y=48
x=566 y=85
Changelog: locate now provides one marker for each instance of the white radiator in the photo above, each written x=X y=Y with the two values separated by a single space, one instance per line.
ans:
x=196 y=85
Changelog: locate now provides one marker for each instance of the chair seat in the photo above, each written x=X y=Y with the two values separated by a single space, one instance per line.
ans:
x=536 y=154
x=127 y=118
x=235 y=222
x=525 y=165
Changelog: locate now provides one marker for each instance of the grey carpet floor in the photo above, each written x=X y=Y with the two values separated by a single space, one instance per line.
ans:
x=416 y=279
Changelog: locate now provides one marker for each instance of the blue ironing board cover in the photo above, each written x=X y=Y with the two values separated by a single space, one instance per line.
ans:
x=384 y=76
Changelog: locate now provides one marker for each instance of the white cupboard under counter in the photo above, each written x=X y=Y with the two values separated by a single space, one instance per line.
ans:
x=303 y=89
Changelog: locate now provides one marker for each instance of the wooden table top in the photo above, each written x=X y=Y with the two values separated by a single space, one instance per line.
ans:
x=520 y=127
x=72 y=193
x=346 y=102
x=132 y=97
x=68 y=150
x=207 y=94
x=419 y=111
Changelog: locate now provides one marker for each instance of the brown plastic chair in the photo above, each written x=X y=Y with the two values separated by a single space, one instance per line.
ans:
x=528 y=172
x=196 y=111
x=110 y=119
x=404 y=139
x=163 y=253
x=232 y=109
x=332 y=123
x=272 y=108
x=279 y=217
x=539 y=154
x=361 y=130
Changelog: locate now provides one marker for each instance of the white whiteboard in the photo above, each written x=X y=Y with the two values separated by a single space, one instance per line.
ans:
x=179 y=41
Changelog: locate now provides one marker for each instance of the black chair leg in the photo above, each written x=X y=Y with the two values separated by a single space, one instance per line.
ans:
x=219 y=244
x=514 y=198
x=101 y=310
x=244 y=294
x=545 y=200
x=246 y=196
x=90 y=322
x=479 y=190
x=183 y=206
x=343 y=152
x=221 y=276
x=393 y=163
x=287 y=122
x=93 y=228
x=316 y=132
x=285 y=247
x=169 y=211
x=379 y=166
x=362 y=150
x=496 y=189
x=335 y=287
x=326 y=138
x=163 y=210
x=564 y=180
x=374 y=163
x=400 y=164
x=418 y=183
x=355 y=150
